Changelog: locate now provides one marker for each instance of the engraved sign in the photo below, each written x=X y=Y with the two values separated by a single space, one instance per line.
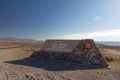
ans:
x=58 y=47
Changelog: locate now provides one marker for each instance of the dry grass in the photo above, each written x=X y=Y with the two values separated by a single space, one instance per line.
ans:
x=32 y=48
x=9 y=45
x=112 y=60
x=109 y=47
x=100 y=74
x=28 y=46
x=14 y=51
x=34 y=69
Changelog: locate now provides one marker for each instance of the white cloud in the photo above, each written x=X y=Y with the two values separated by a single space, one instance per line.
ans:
x=106 y=35
x=97 y=18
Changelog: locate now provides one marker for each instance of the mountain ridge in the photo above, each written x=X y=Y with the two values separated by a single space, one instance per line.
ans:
x=20 y=40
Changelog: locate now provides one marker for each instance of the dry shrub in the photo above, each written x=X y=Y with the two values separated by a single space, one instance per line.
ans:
x=109 y=58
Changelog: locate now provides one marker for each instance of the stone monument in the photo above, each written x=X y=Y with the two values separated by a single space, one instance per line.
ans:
x=79 y=51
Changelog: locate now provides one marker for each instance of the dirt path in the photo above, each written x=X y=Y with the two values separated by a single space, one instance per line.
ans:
x=20 y=72
x=35 y=69
x=12 y=54
x=112 y=51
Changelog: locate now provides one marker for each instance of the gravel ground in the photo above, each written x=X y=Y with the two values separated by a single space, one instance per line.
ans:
x=112 y=51
x=15 y=65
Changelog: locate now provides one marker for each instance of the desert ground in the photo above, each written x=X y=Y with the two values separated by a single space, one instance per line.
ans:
x=16 y=64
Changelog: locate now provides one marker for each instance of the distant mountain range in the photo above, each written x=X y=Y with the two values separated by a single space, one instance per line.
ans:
x=20 y=40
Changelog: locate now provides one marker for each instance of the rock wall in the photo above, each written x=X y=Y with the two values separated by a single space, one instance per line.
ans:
x=85 y=52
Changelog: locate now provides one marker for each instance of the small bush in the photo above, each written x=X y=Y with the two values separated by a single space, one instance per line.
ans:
x=28 y=48
x=109 y=58
x=100 y=74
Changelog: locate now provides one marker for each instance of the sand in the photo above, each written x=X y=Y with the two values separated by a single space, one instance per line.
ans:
x=112 y=51
x=15 y=64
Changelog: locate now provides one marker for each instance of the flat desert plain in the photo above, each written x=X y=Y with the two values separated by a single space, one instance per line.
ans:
x=16 y=64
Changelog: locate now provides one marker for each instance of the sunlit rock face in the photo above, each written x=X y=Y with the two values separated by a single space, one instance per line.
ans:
x=80 y=51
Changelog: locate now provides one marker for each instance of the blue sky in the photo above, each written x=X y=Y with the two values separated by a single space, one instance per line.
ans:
x=60 y=19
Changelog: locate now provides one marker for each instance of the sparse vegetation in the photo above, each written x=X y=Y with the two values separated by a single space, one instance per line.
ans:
x=27 y=46
x=42 y=72
x=112 y=59
x=108 y=58
x=99 y=74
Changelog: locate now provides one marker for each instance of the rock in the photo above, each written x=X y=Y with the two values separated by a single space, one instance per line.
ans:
x=80 y=51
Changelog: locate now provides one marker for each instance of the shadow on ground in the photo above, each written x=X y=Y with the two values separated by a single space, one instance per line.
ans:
x=53 y=65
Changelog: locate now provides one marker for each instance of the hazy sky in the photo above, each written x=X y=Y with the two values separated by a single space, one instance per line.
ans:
x=64 y=19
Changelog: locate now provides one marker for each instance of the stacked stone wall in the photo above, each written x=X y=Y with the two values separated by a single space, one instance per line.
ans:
x=85 y=52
